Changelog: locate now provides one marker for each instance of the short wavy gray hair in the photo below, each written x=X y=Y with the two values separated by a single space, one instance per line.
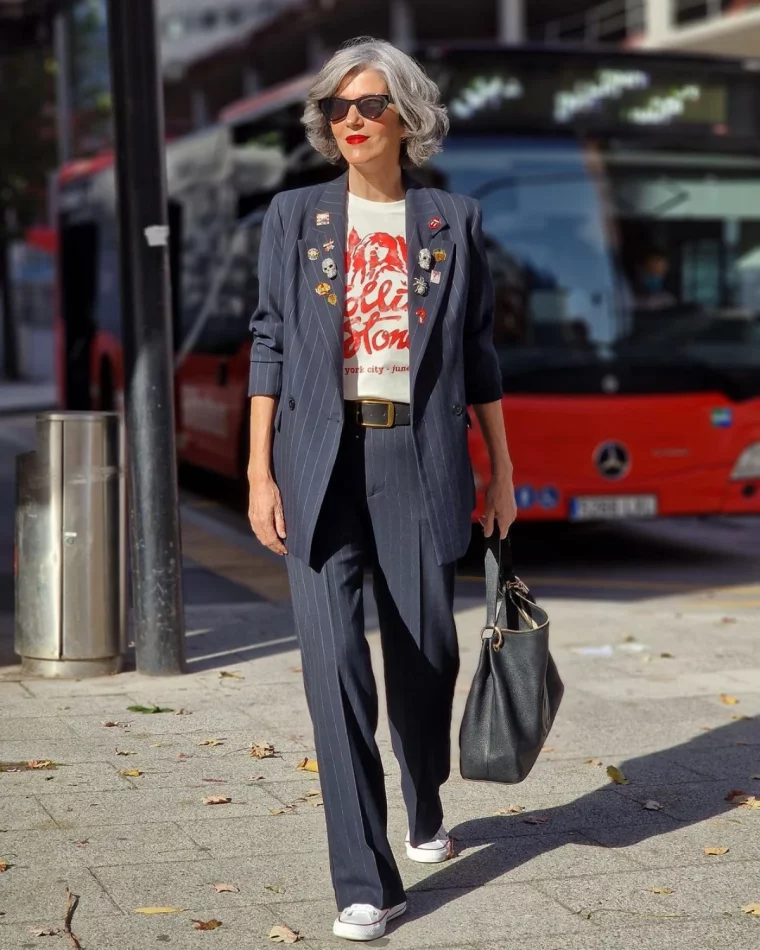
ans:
x=415 y=95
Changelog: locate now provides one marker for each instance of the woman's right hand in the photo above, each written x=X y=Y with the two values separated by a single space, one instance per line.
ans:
x=266 y=515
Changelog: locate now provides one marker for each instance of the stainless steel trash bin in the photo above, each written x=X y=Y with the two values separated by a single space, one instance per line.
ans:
x=70 y=557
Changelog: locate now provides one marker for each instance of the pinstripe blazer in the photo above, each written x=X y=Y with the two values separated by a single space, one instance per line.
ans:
x=297 y=352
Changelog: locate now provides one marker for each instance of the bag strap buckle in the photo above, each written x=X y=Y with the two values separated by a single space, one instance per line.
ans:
x=496 y=637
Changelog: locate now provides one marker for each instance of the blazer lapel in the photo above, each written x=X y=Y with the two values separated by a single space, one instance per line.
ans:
x=325 y=241
x=426 y=228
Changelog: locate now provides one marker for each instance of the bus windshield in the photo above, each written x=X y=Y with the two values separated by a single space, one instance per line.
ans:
x=616 y=268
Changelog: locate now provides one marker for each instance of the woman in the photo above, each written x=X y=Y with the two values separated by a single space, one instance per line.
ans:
x=372 y=335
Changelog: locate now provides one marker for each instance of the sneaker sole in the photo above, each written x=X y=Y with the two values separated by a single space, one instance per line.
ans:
x=366 y=931
x=427 y=856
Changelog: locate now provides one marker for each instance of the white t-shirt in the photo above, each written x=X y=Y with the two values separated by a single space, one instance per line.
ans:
x=375 y=318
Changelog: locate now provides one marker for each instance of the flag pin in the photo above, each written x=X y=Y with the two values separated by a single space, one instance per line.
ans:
x=323 y=217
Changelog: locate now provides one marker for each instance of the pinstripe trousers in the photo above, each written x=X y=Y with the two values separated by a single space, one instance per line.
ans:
x=373 y=518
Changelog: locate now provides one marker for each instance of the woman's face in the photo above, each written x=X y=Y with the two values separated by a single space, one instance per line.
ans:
x=368 y=142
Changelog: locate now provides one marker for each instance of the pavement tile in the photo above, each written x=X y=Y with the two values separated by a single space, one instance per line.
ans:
x=241 y=928
x=233 y=764
x=24 y=730
x=100 y=846
x=689 y=802
x=217 y=722
x=732 y=763
x=90 y=776
x=112 y=706
x=38 y=896
x=445 y=917
x=188 y=883
x=301 y=832
x=149 y=805
x=697 y=892
x=683 y=844
x=23 y=813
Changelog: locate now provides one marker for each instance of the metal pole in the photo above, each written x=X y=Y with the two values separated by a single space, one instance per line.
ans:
x=511 y=20
x=61 y=35
x=147 y=337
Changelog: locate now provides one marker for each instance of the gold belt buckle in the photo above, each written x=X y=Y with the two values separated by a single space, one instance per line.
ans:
x=379 y=425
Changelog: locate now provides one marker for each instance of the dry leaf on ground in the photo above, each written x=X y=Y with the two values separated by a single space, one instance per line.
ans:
x=125 y=752
x=716 y=850
x=212 y=742
x=149 y=710
x=130 y=772
x=593 y=762
x=217 y=800
x=224 y=888
x=667 y=656
x=741 y=716
x=753 y=909
x=230 y=675
x=652 y=805
x=183 y=712
x=548 y=748
x=159 y=910
x=510 y=810
x=307 y=765
x=734 y=794
x=728 y=700
x=751 y=801
x=616 y=775
x=110 y=723
x=660 y=890
x=283 y=934
x=4 y=866
x=282 y=811
x=206 y=924
x=49 y=932
x=262 y=750
x=44 y=764
x=274 y=888
x=218 y=781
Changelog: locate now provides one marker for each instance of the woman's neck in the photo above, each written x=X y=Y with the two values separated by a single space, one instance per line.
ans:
x=382 y=185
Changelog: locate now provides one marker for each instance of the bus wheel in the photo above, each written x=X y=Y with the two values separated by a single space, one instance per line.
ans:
x=106 y=387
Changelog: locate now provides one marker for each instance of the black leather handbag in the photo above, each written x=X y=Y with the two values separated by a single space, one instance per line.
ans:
x=516 y=690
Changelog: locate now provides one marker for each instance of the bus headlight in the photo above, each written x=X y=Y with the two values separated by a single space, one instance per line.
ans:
x=748 y=463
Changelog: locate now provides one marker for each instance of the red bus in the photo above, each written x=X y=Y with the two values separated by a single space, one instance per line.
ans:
x=621 y=197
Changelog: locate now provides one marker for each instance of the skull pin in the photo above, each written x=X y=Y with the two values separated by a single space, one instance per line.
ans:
x=424 y=258
x=329 y=268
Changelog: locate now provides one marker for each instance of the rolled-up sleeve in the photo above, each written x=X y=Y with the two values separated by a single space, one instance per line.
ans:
x=482 y=375
x=266 y=324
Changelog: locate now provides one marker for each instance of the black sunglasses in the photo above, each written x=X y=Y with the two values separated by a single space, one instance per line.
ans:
x=371 y=107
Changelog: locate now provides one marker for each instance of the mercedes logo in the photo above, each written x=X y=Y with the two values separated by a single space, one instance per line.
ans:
x=612 y=460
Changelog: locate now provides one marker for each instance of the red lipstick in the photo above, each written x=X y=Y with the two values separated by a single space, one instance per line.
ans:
x=356 y=139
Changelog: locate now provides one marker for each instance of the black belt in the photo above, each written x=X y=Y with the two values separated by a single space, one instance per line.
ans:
x=377 y=413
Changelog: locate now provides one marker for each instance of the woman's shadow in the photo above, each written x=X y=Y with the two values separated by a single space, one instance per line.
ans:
x=691 y=782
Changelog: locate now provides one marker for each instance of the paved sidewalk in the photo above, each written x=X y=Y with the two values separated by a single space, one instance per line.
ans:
x=568 y=860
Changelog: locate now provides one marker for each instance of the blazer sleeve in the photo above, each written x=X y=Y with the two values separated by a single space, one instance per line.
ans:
x=482 y=375
x=266 y=324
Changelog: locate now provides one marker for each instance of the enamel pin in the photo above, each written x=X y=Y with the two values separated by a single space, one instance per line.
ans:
x=421 y=314
x=434 y=223
x=328 y=245
x=435 y=277
x=333 y=299
x=323 y=289
x=323 y=217
x=313 y=253
x=329 y=268
x=439 y=255
x=420 y=286
x=424 y=258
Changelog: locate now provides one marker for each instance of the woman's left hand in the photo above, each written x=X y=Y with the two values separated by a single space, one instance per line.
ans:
x=500 y=505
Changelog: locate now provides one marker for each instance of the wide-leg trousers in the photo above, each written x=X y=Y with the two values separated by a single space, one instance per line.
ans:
x=372 y=518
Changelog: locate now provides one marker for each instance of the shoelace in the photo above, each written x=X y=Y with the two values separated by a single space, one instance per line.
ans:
x=366 y=910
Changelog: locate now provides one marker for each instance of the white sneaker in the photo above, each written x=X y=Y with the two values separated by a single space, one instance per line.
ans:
x=437 y=849
x=365 y=922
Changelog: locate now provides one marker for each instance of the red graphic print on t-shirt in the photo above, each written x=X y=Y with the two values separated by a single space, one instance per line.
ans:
x=376 y=294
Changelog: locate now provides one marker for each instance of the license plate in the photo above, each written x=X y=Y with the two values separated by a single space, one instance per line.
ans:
x=613 y=506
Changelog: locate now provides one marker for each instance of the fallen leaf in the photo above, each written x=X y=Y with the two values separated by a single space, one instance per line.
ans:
x=264 y=750
x=535 y=820
x=149 y=710
x=274 y=888
x=734 y=793
x=652 y=805
x=130 y=772
x=629 y=639
x=296 y=669
x=44 y=764
x=212 y=742
x=716 y=850
x=510 y=810
x=50 y=932
x=125 y=752
x=660 y=890
x=667 y=655
x=219 y=781
x=183 y=712
x=159 y=910
x=227 y=673
x=728 y=619
x=548 y=748
x=256 y=778
x=281 y=811
x=728 y=700
x=224 y=888
x=593 y=762
x=616 y=775
x=183 y=755
x=307 y=765
x=753 y=909
x=751 y=801
x=314 y=791
x=4 y=866
x=108 y=723
x=216 y=800
x=206 y=924
x=740 y=716
x=283 y=934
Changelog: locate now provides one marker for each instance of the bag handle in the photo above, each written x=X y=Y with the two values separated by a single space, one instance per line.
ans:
x=498 y=570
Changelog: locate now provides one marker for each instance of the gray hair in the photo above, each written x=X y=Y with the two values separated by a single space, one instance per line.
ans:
x=414 y=94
